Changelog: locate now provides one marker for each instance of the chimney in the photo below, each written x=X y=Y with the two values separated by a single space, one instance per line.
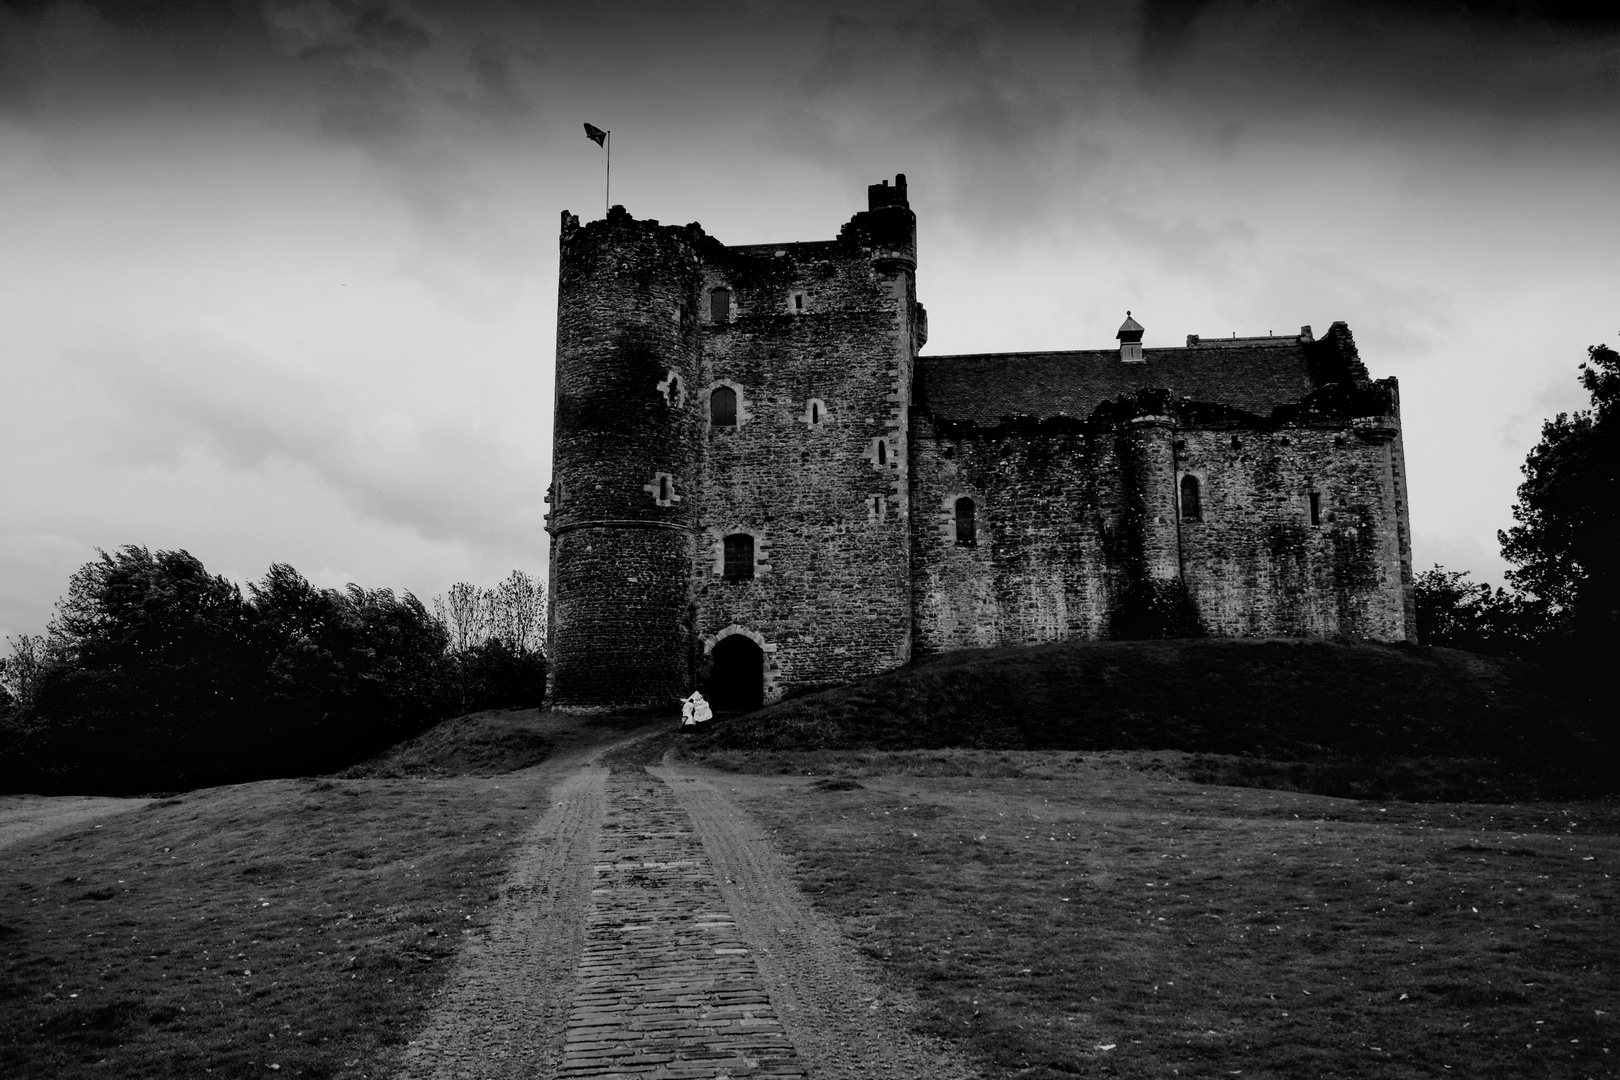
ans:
x=1130 y=340
x=881 y=195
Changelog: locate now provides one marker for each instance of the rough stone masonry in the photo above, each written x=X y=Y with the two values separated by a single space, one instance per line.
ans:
x=761 y=485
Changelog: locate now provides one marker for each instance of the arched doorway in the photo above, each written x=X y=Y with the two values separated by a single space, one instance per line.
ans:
x=736 y=675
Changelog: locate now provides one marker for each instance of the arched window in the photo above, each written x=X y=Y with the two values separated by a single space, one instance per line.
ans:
x=966 y=533
x=739 y=557
x=1192 y=508
x=883 y=452
x=723 y=407
x=674 y=395
x=664 y=491
x=720 y=305
x=815 y=412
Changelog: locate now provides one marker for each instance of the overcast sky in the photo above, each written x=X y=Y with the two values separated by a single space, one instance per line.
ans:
x=278 y=279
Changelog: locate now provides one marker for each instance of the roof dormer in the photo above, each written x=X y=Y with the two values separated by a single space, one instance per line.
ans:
x=1130 y=340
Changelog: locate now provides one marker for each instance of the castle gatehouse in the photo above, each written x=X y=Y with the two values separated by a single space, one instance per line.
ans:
x=762 y=485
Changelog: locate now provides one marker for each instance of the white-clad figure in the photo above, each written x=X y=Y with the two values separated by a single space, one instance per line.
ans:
x=694 y=710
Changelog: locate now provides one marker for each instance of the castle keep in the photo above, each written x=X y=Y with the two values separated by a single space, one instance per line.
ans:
x=761 y=485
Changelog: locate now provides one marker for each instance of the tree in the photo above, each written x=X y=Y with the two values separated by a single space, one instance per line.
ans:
x=495 y=635
x=20 y=672
x=150 y=672
x=466 y=615
x=1565 y=543
x=1461 y=614
x=518 y=609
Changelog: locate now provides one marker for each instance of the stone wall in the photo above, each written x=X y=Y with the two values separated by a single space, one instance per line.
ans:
x=1256 y=566
x=1050 y=542
x=1069 y=513
x=823 y=490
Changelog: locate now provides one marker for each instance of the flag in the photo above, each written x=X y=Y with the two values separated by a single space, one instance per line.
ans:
x=595 y=133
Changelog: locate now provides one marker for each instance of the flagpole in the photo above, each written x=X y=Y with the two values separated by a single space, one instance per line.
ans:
x=607 y=192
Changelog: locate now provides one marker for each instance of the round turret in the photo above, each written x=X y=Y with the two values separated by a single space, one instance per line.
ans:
x=625 y=463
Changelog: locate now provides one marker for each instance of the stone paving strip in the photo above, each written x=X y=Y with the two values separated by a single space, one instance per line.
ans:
x=666 y=988
x=846 y=1021
x=502 y=1012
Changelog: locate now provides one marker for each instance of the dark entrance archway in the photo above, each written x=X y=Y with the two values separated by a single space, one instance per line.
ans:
x=736 y=675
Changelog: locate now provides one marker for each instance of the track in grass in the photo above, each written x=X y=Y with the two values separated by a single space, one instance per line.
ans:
x=1108 y=921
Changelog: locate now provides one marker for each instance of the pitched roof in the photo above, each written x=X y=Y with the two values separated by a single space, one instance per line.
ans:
x=984 y=387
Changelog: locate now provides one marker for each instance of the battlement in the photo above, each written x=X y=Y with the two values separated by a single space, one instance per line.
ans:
x=881 y=195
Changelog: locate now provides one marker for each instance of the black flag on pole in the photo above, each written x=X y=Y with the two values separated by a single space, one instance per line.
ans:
x=595 y=133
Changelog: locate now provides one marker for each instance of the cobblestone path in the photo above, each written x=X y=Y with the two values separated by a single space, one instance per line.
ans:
x=666 y=987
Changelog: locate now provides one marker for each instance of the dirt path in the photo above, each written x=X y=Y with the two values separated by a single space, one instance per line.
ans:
x=842 y=1020
x=502 y=1012
x=649 y=928
x=25 y=816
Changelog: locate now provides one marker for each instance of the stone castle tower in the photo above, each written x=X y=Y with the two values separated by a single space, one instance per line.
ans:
x=759 y=486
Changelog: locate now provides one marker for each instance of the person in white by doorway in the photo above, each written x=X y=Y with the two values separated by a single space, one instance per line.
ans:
x=694 y=711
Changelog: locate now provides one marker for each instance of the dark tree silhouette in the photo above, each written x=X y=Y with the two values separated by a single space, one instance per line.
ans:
x=1461 y=614
x=158 y=675
x=1565 y=544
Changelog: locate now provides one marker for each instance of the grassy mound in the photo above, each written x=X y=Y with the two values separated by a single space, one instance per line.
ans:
x=1331 y=717
x=479 y=744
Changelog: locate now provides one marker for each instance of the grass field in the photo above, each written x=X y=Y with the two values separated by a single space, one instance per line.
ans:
x=1060 y=913
x=1069 y=914
x=284 y=928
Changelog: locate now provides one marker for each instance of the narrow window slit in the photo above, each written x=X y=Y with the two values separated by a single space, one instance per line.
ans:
x=1192 y=508
x=966 y=527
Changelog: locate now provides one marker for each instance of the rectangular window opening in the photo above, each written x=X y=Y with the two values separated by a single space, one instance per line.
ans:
x=738 y=562
x=1316 y=508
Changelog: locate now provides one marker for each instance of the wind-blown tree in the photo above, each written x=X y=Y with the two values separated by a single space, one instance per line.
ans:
x=150 y=668
x=345 y=672
x=1565 y=544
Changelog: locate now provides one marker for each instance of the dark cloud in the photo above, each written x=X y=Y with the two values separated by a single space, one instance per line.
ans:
x=1399 y=63
x=389 y=33
x=145 y=15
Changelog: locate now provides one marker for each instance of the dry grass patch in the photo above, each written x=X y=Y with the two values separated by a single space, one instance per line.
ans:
x=1102 y=919
x=291 y=928
x=296 y=924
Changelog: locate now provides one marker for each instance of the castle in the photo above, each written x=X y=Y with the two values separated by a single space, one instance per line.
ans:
x=762 y=486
